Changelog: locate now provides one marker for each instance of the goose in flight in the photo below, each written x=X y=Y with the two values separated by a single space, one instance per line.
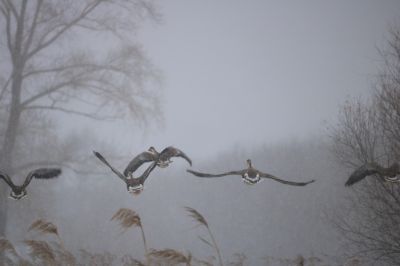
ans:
x=19 y=192
x=162 y=159
x=390 y=174
x=251 y=176
x=134 y=185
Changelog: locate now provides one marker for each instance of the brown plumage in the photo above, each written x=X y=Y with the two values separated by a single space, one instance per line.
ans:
x=151 y=155
x=251 y=176
x=162 y=159
x=134 y=185
x=18 y=192
x=389 y=174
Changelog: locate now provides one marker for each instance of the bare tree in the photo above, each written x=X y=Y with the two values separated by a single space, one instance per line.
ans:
x=72 y=57
x=369 y=132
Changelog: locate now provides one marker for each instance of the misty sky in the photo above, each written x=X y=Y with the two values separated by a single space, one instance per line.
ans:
x=246 y=73
x=236 y=73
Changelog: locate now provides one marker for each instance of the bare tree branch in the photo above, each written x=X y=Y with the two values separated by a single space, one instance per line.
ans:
x=52 y=69
x=94 y=116
x=10 y=5
x=369 y=132
x=4 y=88
x=43 y=43
x=6 y=13
x=32 y=29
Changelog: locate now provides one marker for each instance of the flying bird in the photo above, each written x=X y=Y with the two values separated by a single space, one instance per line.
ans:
x=390 y=174
x=19 y=192
x=134 y=185
x=250 y=176
x=162 y=159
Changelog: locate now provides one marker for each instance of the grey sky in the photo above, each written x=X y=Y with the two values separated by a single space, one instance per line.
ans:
x=236 y=73
x=251 y=72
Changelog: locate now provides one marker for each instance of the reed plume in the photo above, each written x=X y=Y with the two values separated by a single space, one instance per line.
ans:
x=42 y=251
x=6 y=249
x=128 y=260
x=6 y=246
x=202 y=221
x=202 y=262
x=128 y=218
x=240 y=258
x=44 y=227
x=94 y=259
x=170 y=256
x=63 y=255
x=197 y=216
x=23 y=262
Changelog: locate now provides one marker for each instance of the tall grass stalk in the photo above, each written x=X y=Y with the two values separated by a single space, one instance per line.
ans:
x=128 y=218
x=202 y=221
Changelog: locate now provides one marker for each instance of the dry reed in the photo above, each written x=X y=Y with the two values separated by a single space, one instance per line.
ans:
x=129 y=218
x=202 y=221
x=23 y=262
x=239 y=259
x=128 y=260
x=42 y=251
x=8 y=254
x=63 y=255
x=202 y=262
x=197 y=216
x=6 y=246
x=170 y=256
x=44 y=227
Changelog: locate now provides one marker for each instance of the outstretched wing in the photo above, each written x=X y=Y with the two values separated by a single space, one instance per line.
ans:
x=265 y=175
x=174 y=152
x=103 y=160
x=140 y=159
x=41 y=173
x=7 y=179
x=199 y=174
x=146 y=173
x=362 y=172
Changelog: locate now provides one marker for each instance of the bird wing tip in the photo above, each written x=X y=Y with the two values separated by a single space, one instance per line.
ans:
x=348 y=183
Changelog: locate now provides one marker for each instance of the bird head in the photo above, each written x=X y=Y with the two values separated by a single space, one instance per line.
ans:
x=18 y=193
x=152 y=150
x=248 y=161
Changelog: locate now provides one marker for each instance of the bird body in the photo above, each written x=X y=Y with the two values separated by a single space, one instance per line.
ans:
x=250 y=176
x=162 y=159
x=147 y=156
x=390 y=174
x=134 y=185
x=19 y=192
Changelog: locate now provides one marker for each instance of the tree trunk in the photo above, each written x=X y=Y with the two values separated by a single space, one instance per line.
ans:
x=9 y=144
x=12 y=125
x=3 y=210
